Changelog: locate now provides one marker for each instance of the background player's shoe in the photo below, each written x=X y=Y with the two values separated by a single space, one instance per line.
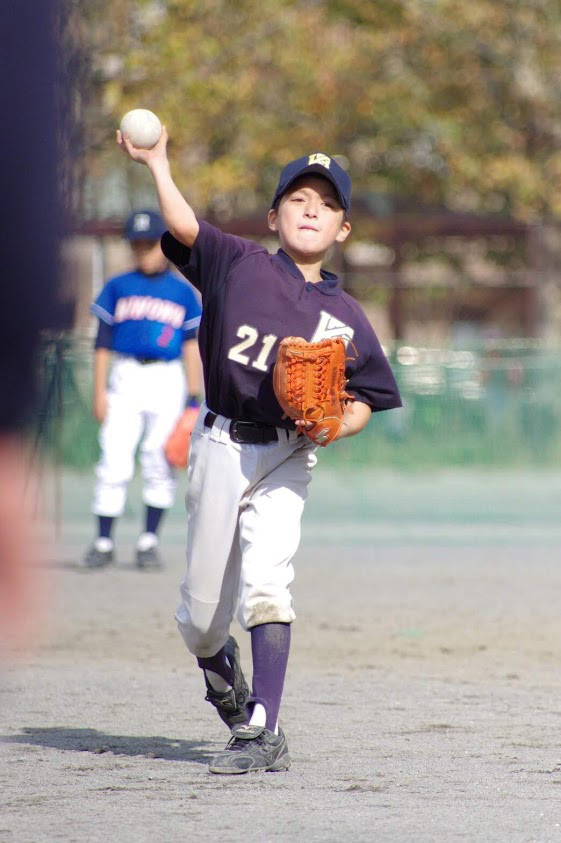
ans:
x=231 y=705
x=100 y=554
x=147 y=555
x=148 y=558
x=252 y=748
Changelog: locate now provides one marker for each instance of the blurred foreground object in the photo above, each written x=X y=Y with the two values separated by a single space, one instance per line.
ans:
x=17 y=542
x=29 y=244
x=31 y=215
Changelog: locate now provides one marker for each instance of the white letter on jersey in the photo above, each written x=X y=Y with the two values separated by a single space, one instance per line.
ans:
x=261 y=362
x=329 y=327
x=145 y=307
x=250 y=336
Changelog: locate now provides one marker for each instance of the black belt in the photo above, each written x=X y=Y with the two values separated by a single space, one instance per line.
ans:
x=144 y=360
x=246 y=432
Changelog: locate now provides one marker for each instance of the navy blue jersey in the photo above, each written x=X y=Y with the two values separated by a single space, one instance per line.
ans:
x=251 y=301
x=150 y=315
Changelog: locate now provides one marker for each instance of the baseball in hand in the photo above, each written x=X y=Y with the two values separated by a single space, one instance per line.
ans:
x=142 y=127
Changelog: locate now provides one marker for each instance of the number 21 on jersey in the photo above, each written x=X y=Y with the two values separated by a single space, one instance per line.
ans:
x=249 y=338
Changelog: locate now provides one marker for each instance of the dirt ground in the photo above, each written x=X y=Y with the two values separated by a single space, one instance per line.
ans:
x=422 y=700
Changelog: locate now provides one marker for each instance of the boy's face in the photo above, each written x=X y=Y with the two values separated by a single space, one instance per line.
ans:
x=309 y=218
x=148 y=256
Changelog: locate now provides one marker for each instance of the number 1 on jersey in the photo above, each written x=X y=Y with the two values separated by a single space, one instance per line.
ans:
x=261 y=362
x=249 y=337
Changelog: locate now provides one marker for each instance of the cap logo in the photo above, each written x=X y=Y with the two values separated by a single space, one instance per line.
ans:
x=141 y=222
x=319 y=158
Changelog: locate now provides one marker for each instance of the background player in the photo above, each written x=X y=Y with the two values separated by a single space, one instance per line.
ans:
x=249 y=467
x=149 y=318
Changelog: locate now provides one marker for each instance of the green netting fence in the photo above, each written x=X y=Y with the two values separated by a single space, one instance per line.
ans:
x=498 y=404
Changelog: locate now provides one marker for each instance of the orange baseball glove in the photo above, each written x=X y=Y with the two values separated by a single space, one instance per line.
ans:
x=177 y=445
x=309 y=382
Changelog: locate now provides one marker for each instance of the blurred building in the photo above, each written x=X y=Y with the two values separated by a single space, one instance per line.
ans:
x=425 y=275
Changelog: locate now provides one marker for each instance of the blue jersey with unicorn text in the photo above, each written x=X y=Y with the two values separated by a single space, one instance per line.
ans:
x=150 y=315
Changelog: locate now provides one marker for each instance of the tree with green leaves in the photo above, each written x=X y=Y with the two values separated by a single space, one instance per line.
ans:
x=438 y=100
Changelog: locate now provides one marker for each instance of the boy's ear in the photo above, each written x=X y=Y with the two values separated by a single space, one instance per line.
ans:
x=272 y=219
x=344 y=232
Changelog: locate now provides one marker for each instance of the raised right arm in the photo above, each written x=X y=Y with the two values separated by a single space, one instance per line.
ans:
x=177 y=213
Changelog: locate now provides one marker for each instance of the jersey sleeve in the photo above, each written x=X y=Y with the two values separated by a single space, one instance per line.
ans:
x=104 y=306
x=193 y=313
x=104 y=338
x=372 y=381
x=207 y=262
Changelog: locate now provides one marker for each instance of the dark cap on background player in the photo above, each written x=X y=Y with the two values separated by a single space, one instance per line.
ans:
x=144 y=225
x=322 y=165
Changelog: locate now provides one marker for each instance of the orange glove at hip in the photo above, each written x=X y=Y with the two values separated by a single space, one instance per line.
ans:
x=178 y=442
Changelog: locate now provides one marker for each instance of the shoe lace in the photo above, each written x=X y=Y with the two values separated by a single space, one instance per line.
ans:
x=242 y=744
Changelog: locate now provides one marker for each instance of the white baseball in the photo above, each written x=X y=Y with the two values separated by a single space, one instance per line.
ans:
x=142 y=127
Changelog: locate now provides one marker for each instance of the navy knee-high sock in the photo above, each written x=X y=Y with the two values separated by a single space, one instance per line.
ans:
x=105 y=525
x=153 y=518
x=270 y=646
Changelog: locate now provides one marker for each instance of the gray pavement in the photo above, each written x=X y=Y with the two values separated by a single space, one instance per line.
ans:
x=421 y=703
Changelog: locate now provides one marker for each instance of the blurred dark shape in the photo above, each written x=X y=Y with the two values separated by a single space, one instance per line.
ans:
x=30 y=225
x=30 y=229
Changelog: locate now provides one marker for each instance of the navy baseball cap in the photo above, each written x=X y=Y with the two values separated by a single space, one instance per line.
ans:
x=144 y=225
x=324 y=166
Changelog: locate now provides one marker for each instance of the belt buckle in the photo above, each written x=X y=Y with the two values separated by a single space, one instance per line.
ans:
x=236 y=432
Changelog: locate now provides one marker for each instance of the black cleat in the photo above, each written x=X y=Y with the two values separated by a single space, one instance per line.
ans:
x=231 y=705
x=149 y=558
x=252 y=749
x=95 y=558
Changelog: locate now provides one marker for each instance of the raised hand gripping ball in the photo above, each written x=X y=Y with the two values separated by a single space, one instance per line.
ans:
x=143 y=128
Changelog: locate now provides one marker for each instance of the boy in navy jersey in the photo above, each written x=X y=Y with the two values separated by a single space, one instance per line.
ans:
x=148 y=321
x=249 y=466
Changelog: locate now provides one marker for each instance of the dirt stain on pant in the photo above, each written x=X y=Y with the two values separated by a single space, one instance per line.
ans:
x=267 y=613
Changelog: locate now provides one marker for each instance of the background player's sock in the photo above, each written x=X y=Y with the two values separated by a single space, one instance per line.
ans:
x=270 y=645
x=218 y=671
x=105 y=525
x=103 y=544
x=153 y=518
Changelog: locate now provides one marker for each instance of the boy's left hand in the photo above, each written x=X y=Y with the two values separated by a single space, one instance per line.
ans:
x=355 y=418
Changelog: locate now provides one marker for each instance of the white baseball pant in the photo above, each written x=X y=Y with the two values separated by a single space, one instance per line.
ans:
x=244 y=507
x=144 y=400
